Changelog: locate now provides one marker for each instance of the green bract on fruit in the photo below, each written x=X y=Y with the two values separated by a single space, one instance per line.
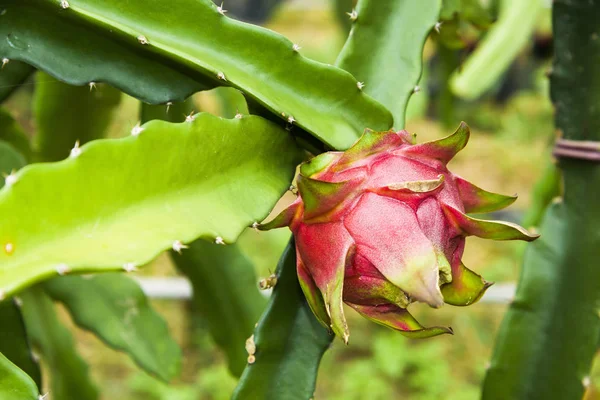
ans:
x=383 y=225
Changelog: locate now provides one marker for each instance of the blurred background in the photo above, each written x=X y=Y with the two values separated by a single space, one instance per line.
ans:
x=512 y=126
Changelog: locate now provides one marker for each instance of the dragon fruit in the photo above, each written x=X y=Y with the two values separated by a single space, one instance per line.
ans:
x=383 y=225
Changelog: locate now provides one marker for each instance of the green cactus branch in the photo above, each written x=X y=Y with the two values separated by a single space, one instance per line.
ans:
x=385 y=49
x=122 y=317
x=225 y=294
x=288 y=343
x=160 y=52
x=216 y=177
x=14 y=342
x=57 y=347
x=498 y=49
x=65 y=114
x=14 y=383
x=549 y=337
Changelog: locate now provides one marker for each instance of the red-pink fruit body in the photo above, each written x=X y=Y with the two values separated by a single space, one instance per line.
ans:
x=383 y=224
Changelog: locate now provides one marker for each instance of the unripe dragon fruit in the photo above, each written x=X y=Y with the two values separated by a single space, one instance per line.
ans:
x=383 y=225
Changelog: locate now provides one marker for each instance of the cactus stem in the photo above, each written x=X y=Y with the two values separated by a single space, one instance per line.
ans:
x=64 y=4
x=143 y=39
x=438 y=26
x=353 y=15
x=76 y=150
x=221 y=10
x=136 y=130
x=178 y=246
x=219 y=240
x=360 y=85
x=5 y=61
x=63 y=269
x=296 y=47
x=129 y=267
x=221 y=76
x=10 y=179
x=92 y=85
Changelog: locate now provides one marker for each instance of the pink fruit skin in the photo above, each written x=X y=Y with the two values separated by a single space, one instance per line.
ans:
x=383 y=225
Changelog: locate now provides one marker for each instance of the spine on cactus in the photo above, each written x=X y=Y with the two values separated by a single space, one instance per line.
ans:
x=383 y=225
x=549 y=336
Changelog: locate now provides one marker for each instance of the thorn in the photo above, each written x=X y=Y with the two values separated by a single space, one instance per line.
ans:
x=251 y=359
x=35 y=357
x=92 y=85
x=129 y=267
x=353 y=15
x=417 y=89
x=437 y=26
x=2 y=295
x=255 y=226
x=190 y=117
x=219 y=240
x=291 y=119
x=18 y=301
x=76 y=150
x=43 y=397
x=221 y=10
x=5 y=61
x=238 y=116
x=64 y=4
x=293 y=189
x=360 y=85
x=10 y=179
x=142 y=39
x=178 y=246
x=169 y=104
x=136 y=130
x=63 y=269
x=296 y=48
x=221 y=76
x=586 y=381
x=250 y=346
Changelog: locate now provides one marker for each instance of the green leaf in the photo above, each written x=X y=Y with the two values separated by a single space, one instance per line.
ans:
x=14 y=343
x=549 y=336
x=289 y=342
x=14 y=383
x=68 y=372
x=385 y=49
x=11 y=133
x=159 y=52
x=115 y=309
x=226 y=295
x=12 y=76
x=499 y=48
x=122 y=201
x=65 y=114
